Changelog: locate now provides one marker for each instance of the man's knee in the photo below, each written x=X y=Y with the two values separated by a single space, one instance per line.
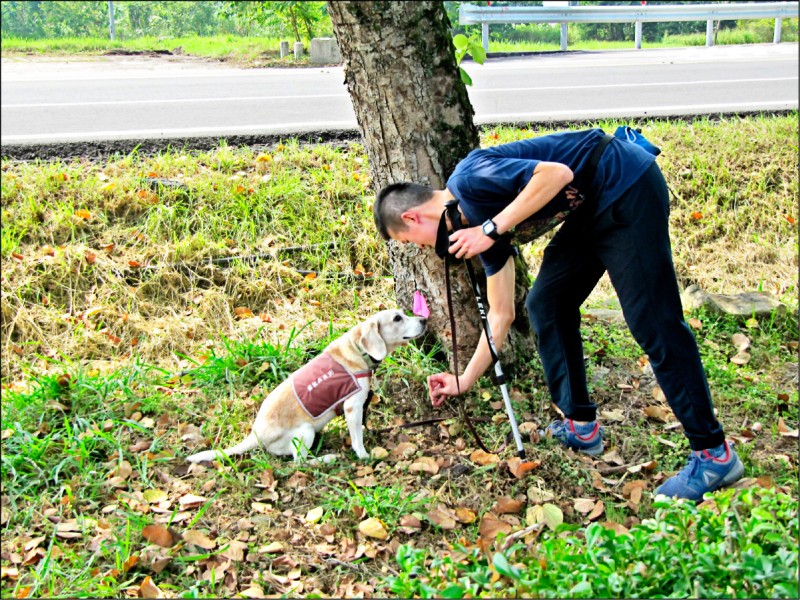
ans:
x=540 y=308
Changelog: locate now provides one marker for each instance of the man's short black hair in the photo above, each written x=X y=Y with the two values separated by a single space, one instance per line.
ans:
x=393 y=201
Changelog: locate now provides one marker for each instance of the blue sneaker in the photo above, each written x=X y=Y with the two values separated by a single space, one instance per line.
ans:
x=583 y=438
x=706 y=471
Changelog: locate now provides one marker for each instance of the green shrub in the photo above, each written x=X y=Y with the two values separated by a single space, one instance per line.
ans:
x=741 y=544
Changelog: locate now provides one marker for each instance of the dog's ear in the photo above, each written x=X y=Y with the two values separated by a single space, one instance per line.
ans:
x=372 y=341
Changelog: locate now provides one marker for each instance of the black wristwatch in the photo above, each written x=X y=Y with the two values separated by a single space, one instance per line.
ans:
x=490 y=229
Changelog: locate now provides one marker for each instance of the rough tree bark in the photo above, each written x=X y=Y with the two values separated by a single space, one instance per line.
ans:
x=416 y=120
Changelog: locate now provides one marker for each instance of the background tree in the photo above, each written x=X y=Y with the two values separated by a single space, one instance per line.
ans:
x=302 y=18
x=416 y=120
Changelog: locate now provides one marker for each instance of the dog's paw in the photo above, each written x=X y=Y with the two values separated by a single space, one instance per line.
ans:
x=324 y=459
x=205 y=456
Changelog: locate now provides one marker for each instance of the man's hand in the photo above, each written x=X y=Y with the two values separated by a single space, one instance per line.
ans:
x=571 y=193
x=467 y=243
x=441 y=386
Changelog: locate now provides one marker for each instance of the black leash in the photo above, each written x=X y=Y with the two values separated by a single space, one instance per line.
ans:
x=442 y=249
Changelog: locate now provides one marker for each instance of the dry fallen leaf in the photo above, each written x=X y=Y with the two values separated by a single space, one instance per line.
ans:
x=199 y=539
x=646 y=466
x=520 y=468
x=538 y=495
x=10 y=572
x=627 y=489
x=159 y=535
x=465 y=515
x=615 y=527
x=599 y=509
x=403 y=450
x=612 y=415
x=784 y=430
x=271 y=548
x=235 y=550
x=379 y=453
x=491 y=526
x=148 y=589
x=658 y=394
x=410 y=524
x=740 y=341
x=482 y=458
x=191 y=501
x=253 y=591
x=424 y=464
x=613 y=457
x=130 y=562
x=741 y=358
x=314 y=515
x=153 y=496
x=68 y=530
x=659 y=413
x=243 y=312
x=443 y=517
x=373 y=528
x=506 y=505
x=584 y=505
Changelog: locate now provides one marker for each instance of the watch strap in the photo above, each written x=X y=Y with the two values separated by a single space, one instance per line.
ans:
x=492 y=232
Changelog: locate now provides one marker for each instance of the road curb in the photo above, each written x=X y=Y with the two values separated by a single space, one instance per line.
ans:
x=100 y=150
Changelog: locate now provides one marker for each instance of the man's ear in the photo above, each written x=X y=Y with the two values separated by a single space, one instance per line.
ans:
x=372 y=342
x=410 y=217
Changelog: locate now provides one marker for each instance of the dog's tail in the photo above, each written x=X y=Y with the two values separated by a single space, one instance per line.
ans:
x=248 y=443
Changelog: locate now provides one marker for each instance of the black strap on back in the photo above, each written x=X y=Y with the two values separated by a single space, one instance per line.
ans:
x=584 y=179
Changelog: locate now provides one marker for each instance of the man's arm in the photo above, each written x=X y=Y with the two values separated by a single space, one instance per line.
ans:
x=548 y=179
x=500 y=297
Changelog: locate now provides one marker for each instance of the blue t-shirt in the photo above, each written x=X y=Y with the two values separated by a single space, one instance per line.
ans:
x=489 y=179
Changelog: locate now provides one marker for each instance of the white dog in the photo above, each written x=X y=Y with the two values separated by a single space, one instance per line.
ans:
x=338 y=378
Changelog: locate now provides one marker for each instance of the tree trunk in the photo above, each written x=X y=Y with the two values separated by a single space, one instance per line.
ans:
x=416 y=120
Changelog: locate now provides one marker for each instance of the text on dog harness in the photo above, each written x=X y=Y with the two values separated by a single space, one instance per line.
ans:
x=323 y=385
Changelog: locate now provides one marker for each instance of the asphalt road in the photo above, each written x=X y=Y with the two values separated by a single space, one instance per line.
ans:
x=132 y=98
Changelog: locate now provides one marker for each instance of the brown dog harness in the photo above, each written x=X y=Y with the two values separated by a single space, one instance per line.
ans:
x=323 y=385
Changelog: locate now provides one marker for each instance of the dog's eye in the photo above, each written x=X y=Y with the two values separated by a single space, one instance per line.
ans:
x=398 y=318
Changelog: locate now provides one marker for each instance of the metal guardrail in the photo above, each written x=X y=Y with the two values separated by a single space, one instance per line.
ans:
x=485 y=15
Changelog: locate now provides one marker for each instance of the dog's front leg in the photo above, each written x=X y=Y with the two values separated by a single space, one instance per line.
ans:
x=353 y=411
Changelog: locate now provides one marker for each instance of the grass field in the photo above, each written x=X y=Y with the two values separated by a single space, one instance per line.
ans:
x=264 y=52
x=125 y=349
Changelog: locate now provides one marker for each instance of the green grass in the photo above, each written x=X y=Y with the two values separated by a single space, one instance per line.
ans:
x=757 y=33
x=257 y=51
x=387 y=503
x=737 y=545
x=113 y=373
x=223 y=47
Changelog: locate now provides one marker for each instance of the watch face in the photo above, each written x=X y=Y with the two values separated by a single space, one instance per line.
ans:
x=489 y=228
